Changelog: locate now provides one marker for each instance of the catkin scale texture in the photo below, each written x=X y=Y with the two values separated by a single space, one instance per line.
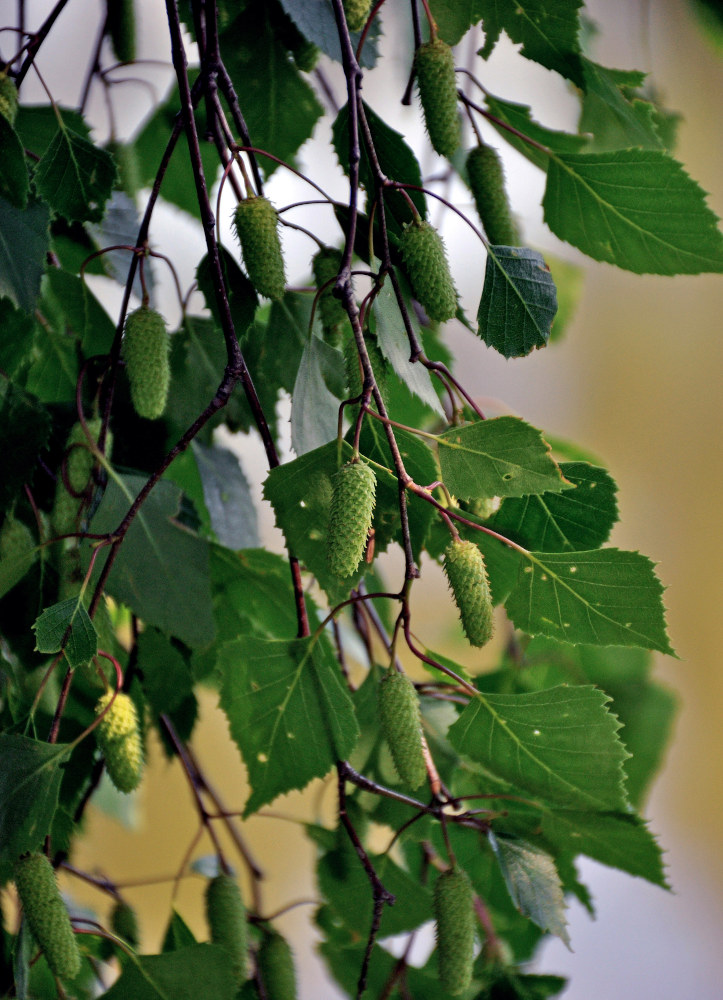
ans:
x=119 y=738
x=436 y=79
x=353 y=495
x=426 y=262
x=455 y=922
x=276 y=965
x=46 y=914
x=325 y=265
x=226 y=917
x=353 y=370
x=145 y=350
x=356 y=13
x=402 y=726
x=465 y=569
x=8 y=98
x=487 y=183
x=257 y=228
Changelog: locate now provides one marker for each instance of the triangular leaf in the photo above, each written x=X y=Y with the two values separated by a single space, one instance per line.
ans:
x=606 y=597
x=30 y=776
x=635 y=208
x=288 y=710
x=518 y=301
x=502 y=457
x=75 y=177
x=532 y=880
x=560 y=745
x=67 y=626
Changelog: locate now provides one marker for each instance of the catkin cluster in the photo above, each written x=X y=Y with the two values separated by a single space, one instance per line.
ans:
x=145 y=350
x=465 y=568
x=46 y=914
x=350 y=517
x=402 y=726
x=356 y=13
x=257 y=228
x=426 y=262
x=119 y=738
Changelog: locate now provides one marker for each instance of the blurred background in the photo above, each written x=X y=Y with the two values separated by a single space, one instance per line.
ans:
x=637 y=380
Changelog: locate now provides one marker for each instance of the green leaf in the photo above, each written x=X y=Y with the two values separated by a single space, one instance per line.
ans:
x=557 y=522
x=161 y=571
x=502 y=457
x=547 y=30
x=619 y=840
x=24 y=432
x=30 y=776
x=15 y=565
x=560 y=745
x=455 y=17
x=242 y=297
x=178 y=934
x=53 y=375
x=394 y=345
x=532 y=880
x=14 y=180
x=396 y=160
x=75 y=177
x=518 y=301
x=24 y=242
x=67 y=626
x=18 y=339
x=83 y=312
x=37 y=125
x=227 y=496
x=569 y=281
x=279 y=106
x=167 y=679
x=288 y=710
x=315 y=20
x=176 y=975
x=314 y=407
x=607 y=597
x=615 y=121
x=519 y=116
x=636 y=208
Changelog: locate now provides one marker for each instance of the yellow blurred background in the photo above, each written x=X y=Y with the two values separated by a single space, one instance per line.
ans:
x=637 y=380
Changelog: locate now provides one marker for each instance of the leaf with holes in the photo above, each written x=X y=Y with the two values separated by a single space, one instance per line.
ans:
x=606 y=597
x=503 y=457
x=560 y=744
x=518 y=303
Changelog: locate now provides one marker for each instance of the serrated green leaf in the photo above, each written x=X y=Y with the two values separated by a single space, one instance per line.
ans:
x=24 y=432
x=396 y=160
x=14 y=179
x=581 y=518
x=315 y=20
x=314 y=406
x=547 y=29
x=532 y=880
x=288 y=710
x=83 y=312
x=176 y=975
x=635 y=208
x=560 y=745
x=227 y=496
x=30 y=776
x=620 y=840
x=67 y=626
x=607 y=597
x=502 y=457
x=53 y=375
x=519 y=116
x=75 y=177
x=161 y=570
x=394 y=345
x=24 y=242
x=37 y=125
x=455 y=17
x=615 y=121
x=518 y=301
x=167 y=679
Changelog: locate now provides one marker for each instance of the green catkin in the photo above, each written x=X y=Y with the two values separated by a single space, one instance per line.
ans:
x=425 y=258
x=145 y=349
x=487 y=183
x=353 y=367
x=436 y=79
x=226 y=917
x=455 y=924
x=257 y=228
x=119 y=737
x=356 y=13
x=464 y=567
x=79 y=462
x=306 y=55
x=8 y=98
x=121 y=27
x=46 y=914
x=402 y=726
x=276 y=965
x=350 y=517
x=325 y=266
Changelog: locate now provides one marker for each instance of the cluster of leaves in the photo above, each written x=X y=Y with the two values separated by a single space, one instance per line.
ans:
x=130 y=555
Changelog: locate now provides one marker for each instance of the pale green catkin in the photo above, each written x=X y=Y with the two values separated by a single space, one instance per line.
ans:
x=350 y=517
x=467 y=575
x=146 y=352
x=402 y=726
x=455 y=925
x=79 y=462
x=46 y=914
x=356 y=13
x=119 y=737
x=437 y=82
x=426 y=263
x=226 y=917
x=8 y=98
x=276 y=965
x=257 y=228
x=325 y=265
x=353 y=370
x=487 y=183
